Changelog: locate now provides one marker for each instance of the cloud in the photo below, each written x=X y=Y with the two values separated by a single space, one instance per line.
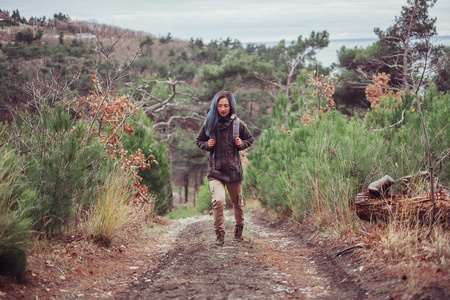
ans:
x=249 y=20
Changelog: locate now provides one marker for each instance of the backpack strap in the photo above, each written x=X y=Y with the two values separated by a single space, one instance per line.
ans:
x=236 y=128
x=213 y=136
x=236 y=124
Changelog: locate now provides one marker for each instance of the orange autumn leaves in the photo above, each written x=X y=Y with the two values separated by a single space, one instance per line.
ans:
x=379 y=89
x=324 y=87
x=104 y=109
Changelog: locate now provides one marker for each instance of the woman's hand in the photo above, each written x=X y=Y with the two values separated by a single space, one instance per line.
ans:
x=238 y=142
x=211 y=143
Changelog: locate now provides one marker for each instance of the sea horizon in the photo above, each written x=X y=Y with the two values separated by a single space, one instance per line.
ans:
x=328 y=55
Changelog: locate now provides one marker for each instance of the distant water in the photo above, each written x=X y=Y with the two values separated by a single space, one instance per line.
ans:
x=328 y=55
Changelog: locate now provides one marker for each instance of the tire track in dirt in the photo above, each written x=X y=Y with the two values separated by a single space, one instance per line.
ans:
x=271 y=263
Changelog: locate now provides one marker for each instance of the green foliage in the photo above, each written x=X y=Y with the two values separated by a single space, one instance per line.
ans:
x=196 y=44
x=306 y=46
x=233 y=68
x=406 y=142
x=61 y=17
x=183 y=212
x=414 y=22
x=25 y=36
x=366 y=60
x=147 y=42
x=252 y=108
x=316 y=167
x=166 y=39
x=59 y=167
x=39 y=34
x=204 y=202
x=21 y=51
x=179 y=66
x=61 y=63
x=158 y=177
x=15 y=223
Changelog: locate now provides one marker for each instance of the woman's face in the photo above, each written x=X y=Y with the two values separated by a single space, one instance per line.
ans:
x=223 y=107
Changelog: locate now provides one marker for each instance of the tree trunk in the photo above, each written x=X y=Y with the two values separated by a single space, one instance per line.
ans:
x=196 y=185
x=186 y=188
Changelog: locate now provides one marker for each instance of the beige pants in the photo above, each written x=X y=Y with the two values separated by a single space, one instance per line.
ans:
x=218 y=202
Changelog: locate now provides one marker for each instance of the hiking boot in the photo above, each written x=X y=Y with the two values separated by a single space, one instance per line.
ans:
x=238 y=229
x=220 y=238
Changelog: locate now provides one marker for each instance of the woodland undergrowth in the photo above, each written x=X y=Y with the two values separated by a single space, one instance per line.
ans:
x=314 y=160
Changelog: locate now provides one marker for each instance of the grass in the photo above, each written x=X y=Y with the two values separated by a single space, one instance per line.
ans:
x=183 y=212
x=410 y=250
x=112 y=210
x=251 y=203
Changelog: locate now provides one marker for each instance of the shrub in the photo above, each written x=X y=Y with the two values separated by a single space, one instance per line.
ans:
x=60 y=168
x=405 y=142
x=317 y=162
x=314 y=168
x=204 y=202
x=158 y=177
x=15 y=224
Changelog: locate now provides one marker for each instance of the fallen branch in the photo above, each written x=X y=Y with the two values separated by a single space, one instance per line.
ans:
x=393 y=125
x=360 y=245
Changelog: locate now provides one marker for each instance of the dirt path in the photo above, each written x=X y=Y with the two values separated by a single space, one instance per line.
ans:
x=270 y=263
x=178 y=261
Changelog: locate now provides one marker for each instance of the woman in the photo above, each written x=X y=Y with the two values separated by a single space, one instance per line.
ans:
x=224 y=135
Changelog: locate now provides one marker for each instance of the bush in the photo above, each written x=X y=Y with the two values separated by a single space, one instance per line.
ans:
x=204 y=201
x=158 y=177
x=405 y=142
x=320 y=165
x=15 y=224
x=61 y=169
x=314 y=168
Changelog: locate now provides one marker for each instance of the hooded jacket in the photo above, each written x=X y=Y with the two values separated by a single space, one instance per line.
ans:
x=225 y=169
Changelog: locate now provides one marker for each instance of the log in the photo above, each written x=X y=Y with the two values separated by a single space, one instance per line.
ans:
x=378 y=188
x=407 y=179
x=422 y=176
x=403 y=207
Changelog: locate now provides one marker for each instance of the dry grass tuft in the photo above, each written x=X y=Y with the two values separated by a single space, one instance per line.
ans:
x=112 y=210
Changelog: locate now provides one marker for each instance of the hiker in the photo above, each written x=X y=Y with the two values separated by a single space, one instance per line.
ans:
x=223 y=134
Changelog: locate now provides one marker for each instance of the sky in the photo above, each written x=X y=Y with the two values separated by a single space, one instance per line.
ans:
x=255 y=21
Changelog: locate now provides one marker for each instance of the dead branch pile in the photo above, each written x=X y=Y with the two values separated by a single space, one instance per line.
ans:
x=379 y=203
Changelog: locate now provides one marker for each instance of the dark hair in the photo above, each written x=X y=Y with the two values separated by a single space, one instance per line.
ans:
x=212 y=118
